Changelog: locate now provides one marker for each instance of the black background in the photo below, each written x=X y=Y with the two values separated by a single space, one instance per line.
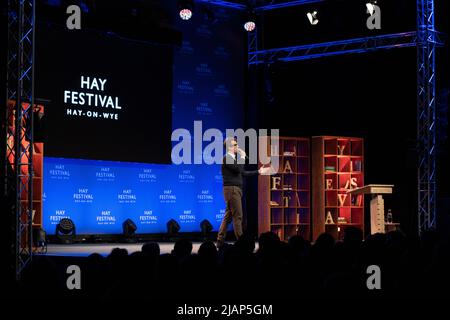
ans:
x=139 y=74
x=371 y=95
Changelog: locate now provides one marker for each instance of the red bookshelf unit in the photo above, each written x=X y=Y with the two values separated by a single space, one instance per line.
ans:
x=284 y=197
x=38 y=169
x=337 y=166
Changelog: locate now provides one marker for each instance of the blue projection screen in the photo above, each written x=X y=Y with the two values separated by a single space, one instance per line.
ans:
x=99 y=195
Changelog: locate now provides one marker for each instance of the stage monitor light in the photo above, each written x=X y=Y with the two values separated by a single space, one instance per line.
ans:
x=206 y=227
x=249 y=26
x=312 y=17
x=40 y=240
x=65 y=230
x=172 y=227
x=128 y=228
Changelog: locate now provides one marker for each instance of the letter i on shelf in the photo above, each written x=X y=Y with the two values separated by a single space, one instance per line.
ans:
x=298 y=199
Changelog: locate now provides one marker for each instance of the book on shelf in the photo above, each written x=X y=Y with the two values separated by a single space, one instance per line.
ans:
x=357 y=166
x=342 y=220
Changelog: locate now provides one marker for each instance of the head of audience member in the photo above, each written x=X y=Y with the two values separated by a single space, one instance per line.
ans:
x=182 y=249
x=151 y=249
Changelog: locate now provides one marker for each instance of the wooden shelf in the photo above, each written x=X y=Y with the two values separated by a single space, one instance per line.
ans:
x=278 y=207
x=297 y=190
x=343 y=224
x=290 y=224
x=279 y=156
x=37 y=180
x=343 y=154
x=281 y=219
x=294 y=173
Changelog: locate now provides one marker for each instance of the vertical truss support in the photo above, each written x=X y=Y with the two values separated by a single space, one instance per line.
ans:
x=252 y=45
x=426 y=115
x=19 y=127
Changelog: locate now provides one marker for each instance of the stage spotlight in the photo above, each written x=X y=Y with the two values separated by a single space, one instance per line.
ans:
x=185 y=14
x=186 y=8
x=249 y=26
x=250 y=20
x=312 y=17
x=128 y=229
x=206 y=227
x=172 y=227
x=371 y=7
x=65 y=231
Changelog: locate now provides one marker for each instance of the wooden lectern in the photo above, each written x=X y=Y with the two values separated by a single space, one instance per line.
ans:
x=376 y=204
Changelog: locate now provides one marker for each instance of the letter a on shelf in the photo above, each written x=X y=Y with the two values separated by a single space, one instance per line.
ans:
x=329 y=219
x=287 y=167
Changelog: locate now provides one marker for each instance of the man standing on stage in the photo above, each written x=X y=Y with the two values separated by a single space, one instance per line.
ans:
x=232 y=173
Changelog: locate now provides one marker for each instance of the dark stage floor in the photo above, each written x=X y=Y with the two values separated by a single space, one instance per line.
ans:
x=84 y=250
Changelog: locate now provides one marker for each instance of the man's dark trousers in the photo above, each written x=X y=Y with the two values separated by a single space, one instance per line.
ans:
x=233 y=211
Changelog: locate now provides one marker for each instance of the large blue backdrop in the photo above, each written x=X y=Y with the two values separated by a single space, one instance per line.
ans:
x=207 y=86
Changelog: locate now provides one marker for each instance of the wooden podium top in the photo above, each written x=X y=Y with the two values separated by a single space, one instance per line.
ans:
x=373 y=189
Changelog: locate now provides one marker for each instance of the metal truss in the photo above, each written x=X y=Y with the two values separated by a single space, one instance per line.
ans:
x=426 y=40
x=226 y=4
x=252 y=44
x=285 y=4
x=19 y=130
x=238 y=6
x=426 y=114
x=319 y=50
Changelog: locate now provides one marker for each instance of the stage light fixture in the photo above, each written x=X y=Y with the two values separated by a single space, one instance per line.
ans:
x=128 y=229
x=206 y=227
x=172 y=227
x=185 y=14
x=313 y=17
x=250 y=19
x=186 y=9
x=249 y=26
x=371 y=7
x=66 y=231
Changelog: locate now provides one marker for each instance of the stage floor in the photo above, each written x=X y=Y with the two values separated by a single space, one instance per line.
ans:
x=84 y=250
